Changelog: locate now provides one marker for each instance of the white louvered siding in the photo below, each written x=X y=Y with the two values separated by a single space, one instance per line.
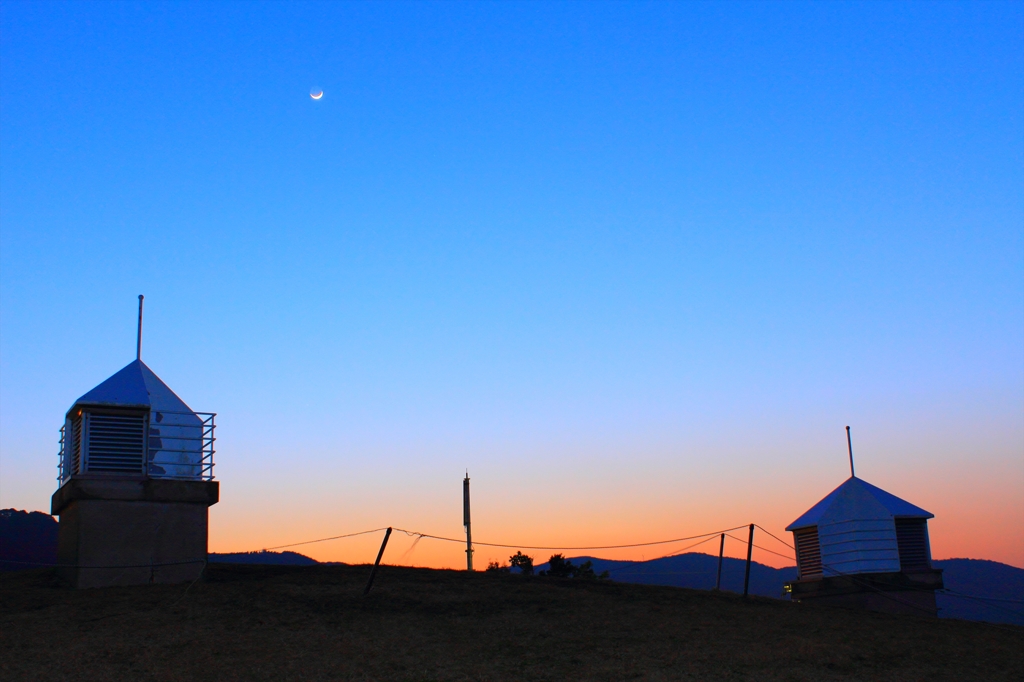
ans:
x=115 y=443
x=859 y=546
x=912 y=538
x=808 y=553
x=74 y=447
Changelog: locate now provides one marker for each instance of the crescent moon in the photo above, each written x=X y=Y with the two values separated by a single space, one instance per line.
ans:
x=317 y=95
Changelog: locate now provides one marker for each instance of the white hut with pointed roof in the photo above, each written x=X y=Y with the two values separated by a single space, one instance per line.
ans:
x=135 y=483
x=861 y=546
x=133 y=423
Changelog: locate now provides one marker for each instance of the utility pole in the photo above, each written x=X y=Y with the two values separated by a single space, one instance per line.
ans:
x=465 y=522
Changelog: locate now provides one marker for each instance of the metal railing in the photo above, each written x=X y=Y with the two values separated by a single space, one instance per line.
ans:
x=186 y=439
x=60 y=460
x=180 y=445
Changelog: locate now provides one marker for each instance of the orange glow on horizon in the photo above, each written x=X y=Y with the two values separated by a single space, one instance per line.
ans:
x=948 y=540
x=983 y=526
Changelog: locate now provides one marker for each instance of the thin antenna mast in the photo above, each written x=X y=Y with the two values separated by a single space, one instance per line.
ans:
x=465 y=522
x=849 y=444
x=138 y=338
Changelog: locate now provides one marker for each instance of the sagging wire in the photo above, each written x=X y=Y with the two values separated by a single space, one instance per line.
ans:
x=951 y=593
x=515 y=546
x=946 y=592
x=868 y=585
x=776 y=537
x=336 y=537
x=763 y=549
x=44 y=564
x=689 y=547
x=411 y=548
x=923 y=609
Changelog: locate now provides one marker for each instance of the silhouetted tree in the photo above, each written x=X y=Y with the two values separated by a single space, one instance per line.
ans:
x=560 y=567
x=522 y=562
x=495 y=567
x=586 y=572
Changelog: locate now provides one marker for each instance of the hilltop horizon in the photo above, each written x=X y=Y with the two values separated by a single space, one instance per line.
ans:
x=736 y=551
x=31 y=536
x=633 y=266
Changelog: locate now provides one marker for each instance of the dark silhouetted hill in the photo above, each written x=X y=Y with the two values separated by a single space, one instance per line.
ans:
x=264 y=558
x=979 y=579
x=976 y=589
x=252 y=622
x=27 y=539
x=695 y=571
x=975 y=578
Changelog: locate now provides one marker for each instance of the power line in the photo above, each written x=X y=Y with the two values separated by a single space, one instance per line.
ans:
x=680 y=551
x=853 y=578
x=707 y=537
x=868 y=585
x=997 y=607
x=696 y=544
x=310 y=542
x=951 y=593
x=893 y=597
x=945 y=592
x=777 y=537
x=763 y=549
x=516 y=546
x=190 y=561
x=49 y=565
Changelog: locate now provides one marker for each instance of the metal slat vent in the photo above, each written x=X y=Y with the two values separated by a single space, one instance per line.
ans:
x=808 y=553
x=912 y=539
x=75 y=445
x=116 y=443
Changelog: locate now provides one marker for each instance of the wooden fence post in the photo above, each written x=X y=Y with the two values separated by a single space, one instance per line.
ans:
x=721 y=551
x=373 y=571
x=750 y=549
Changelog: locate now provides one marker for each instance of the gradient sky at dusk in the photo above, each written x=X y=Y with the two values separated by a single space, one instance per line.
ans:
x=634 y=266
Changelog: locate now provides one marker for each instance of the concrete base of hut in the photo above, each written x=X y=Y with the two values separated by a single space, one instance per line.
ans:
x=905 y=593
x=132 y=531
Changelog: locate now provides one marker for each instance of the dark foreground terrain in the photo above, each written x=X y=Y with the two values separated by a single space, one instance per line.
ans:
x=312 y=623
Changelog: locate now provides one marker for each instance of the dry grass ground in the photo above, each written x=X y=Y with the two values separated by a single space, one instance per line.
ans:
x=312 y=623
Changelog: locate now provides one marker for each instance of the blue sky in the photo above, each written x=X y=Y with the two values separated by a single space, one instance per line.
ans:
x=572 y=247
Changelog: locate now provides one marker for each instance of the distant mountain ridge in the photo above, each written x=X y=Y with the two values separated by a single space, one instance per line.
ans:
x=27 y=539
x=30 y=539
x=985 y=579
x=263 y=557
x=979 y=578
x=694 y=571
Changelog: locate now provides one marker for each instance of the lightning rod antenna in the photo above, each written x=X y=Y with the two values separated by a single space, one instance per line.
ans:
x=138 y=338
x=849 y=445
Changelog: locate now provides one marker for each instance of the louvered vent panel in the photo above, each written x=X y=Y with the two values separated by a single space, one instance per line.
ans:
x=75 y=446
x=912 y=539
x=808 y=553
x=116 y=443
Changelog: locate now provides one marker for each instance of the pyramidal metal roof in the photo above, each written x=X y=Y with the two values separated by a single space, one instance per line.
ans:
x=135 y=385
x=858 y=500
